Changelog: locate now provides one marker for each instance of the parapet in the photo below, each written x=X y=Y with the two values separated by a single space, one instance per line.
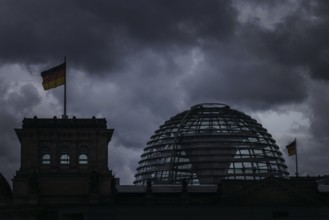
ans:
x=64 y=122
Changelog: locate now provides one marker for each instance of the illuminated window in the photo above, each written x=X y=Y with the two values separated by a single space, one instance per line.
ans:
x=83 y=159
x=45 y=159
x=65 y=159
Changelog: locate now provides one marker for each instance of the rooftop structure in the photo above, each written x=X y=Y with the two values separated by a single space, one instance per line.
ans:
x=208 y=143
x=63 y=161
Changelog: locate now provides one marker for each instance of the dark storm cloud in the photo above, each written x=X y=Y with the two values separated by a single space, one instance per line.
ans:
x=15 y=104
x=96 y=35
x=319 y=111
x=301 y=39
x=262 y=67
x=249 y=86
x=242 y=71
x=136 y=101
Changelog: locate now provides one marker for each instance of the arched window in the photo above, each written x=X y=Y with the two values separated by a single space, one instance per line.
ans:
x=45 y=159
x=64 y=159
x=83 y=159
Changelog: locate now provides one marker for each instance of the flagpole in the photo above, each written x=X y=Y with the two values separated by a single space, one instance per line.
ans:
x=65 y=116
x=296 y=159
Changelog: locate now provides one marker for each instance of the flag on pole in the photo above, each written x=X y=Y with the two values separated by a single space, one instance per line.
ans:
x=292 y=148
x=54 y=77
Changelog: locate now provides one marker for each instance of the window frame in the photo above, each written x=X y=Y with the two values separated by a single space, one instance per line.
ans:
x=64 y=159
x=45 y=159
x=83 y=161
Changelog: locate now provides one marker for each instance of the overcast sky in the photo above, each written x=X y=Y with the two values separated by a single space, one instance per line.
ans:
x=139 y=62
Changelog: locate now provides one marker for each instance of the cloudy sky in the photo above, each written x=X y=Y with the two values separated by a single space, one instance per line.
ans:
x=139 y=62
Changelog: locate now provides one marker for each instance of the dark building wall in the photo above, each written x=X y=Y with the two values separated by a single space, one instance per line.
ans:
x=169 y=212
x=270 y=198
x=63 y=157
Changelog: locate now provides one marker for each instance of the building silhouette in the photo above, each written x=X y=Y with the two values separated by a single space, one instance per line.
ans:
x=64 y=175
x=63 y=161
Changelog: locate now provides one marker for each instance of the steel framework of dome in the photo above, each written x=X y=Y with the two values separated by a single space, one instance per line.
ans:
x=208 y=143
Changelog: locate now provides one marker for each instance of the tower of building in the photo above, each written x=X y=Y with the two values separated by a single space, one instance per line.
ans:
x=63 y=161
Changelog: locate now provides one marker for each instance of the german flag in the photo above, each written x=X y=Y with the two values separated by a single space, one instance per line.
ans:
x=292 y=148
x=54 y=77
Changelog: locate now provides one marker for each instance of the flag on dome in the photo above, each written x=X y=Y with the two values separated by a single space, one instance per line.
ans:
x=292 y=148
x=54 y=77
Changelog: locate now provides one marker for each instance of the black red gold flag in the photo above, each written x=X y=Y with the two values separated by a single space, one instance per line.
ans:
x=54 y=77
x=292 y=148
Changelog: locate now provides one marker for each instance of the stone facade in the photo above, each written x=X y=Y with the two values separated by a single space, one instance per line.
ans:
x=63 y=161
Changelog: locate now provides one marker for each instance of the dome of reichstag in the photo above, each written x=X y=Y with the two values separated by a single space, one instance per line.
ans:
x=208 y=143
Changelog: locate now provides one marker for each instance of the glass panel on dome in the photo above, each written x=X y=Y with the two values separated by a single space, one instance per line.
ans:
x=215 y=141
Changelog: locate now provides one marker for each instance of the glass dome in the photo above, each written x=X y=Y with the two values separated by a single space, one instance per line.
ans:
x=208 y=143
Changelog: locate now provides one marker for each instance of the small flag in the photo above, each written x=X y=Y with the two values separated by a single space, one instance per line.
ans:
x=54 y=77
x=292 y=148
